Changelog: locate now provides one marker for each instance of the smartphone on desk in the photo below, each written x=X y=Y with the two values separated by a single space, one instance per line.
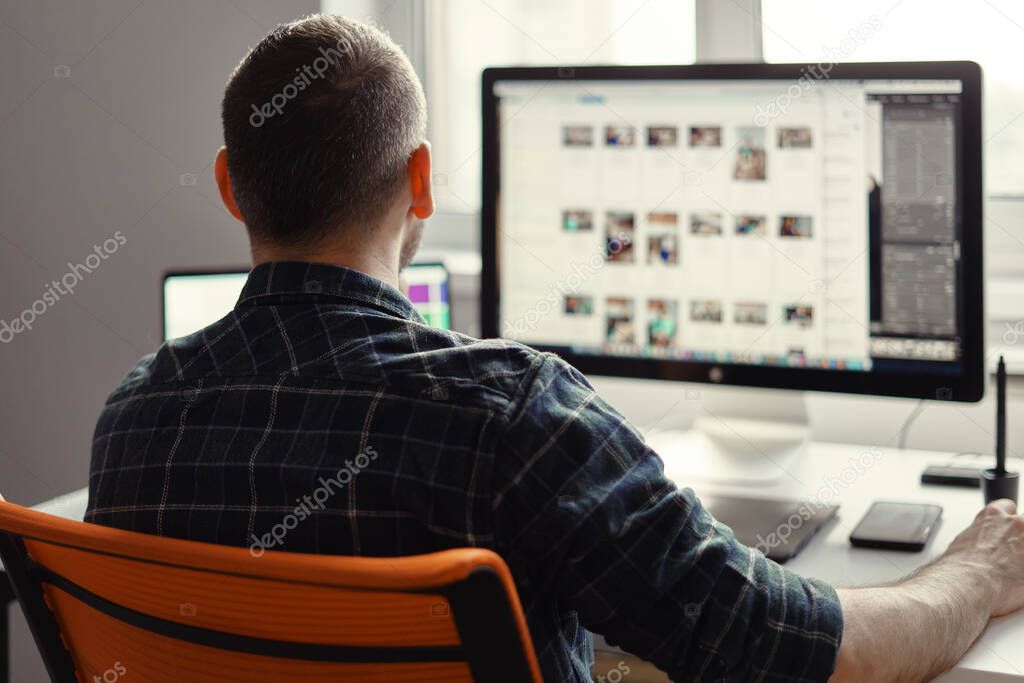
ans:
x=897 y=526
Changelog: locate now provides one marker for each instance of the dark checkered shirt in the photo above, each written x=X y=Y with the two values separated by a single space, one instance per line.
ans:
x=322 y=415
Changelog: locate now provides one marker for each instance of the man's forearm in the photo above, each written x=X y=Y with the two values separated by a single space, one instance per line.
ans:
x=916 y=629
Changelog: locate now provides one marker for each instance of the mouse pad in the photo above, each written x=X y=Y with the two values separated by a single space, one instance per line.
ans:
x=779 y=528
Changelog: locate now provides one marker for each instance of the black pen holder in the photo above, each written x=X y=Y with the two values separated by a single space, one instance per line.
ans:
x=999 y=485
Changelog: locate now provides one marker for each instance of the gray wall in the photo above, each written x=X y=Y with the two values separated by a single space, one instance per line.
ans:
x=103 y=149
x=123 y=143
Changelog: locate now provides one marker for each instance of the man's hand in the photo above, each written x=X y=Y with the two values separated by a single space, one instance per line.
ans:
x=994 y=543
x=922 y=626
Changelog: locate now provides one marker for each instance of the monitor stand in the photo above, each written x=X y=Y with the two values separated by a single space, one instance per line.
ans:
x=743 y=437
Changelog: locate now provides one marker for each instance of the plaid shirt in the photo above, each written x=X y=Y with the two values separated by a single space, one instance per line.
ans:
x=322 y=415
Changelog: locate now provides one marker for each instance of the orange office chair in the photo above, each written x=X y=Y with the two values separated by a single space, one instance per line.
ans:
x=104 y=603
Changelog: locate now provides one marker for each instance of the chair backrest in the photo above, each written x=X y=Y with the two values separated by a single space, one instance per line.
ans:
x=104 y=603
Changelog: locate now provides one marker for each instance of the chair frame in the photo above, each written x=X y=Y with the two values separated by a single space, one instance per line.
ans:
x=487 y=624
x=41 y=621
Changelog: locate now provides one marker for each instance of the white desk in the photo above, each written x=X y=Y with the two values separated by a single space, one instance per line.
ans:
x=892 y=475
x=998 y=656
x=69 y=506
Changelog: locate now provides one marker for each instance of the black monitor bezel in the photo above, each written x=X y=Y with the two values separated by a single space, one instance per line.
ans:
x=968 y=386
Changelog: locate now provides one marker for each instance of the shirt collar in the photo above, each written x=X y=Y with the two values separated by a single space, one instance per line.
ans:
x=319 y=281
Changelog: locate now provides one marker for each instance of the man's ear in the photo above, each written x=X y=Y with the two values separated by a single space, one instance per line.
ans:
x=419 y=181
x=220 y=172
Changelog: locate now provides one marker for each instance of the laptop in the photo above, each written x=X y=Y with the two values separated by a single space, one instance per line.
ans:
x=197 y=298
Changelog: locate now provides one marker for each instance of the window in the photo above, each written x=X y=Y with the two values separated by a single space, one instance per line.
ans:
x=989 y=32
x=465 y=36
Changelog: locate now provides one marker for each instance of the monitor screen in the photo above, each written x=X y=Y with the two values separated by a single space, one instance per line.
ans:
x=693 y=228
x=193 y=300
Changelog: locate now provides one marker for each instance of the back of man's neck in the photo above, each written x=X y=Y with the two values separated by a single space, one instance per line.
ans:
x=376 y=263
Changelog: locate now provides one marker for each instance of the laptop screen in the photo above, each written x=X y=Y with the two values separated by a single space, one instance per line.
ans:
x=194 y=300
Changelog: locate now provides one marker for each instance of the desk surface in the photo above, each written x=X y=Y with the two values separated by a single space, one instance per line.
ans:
x=853 y=476
x=856 y=476
x=69 y=506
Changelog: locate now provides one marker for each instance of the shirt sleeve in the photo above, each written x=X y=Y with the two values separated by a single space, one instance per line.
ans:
x=584 y=511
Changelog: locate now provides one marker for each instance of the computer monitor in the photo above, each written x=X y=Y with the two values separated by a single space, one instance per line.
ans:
x=194 y=299
x=813 y=227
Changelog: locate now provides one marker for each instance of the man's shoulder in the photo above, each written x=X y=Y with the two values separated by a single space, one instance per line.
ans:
x=414 y=354
x=140 y=375
x=402 y=356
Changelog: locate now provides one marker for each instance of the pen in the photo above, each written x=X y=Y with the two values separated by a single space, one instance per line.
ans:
x=1001 y=417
